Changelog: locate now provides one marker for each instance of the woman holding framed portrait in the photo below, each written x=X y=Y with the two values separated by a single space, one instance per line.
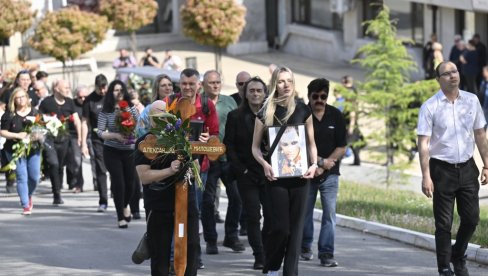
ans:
x=282 y=113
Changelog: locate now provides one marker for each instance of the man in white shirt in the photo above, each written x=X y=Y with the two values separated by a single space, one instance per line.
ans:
x=450 y=124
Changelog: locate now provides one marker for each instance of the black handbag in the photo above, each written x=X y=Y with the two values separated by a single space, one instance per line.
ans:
x=141 y=253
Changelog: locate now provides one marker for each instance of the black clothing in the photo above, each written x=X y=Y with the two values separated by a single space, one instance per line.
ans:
x=287 y=198
x=63 y=111
x=71 y=125
x=146 y=60
x=428 y=61
x=161 y=202
x=237 y=98
x=92 y=105
x=101 y=170
x=14 y=123
x=450 y=185
x=30 y=91
x=331 y=129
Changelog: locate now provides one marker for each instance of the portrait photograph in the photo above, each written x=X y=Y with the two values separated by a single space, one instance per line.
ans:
x=290 y=158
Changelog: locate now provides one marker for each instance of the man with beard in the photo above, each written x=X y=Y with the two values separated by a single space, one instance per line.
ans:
x=330 y=138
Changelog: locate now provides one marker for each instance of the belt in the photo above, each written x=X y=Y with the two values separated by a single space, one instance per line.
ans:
x=451 y=165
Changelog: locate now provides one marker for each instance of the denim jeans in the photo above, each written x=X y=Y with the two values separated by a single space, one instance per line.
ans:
x=28 y=173
x=328 y=197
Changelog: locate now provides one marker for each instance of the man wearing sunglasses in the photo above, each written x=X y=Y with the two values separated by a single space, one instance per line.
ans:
x=241 y=79
x=330 y=138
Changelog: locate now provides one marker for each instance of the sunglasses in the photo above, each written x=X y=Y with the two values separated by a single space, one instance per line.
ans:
x=323 y=97
x=241 y=83
x=293 y=143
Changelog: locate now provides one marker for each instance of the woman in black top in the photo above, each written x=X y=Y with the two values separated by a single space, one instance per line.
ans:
x=18 y=116
x=286 y=196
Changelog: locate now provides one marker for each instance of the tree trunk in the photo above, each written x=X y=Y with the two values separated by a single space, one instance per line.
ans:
x=133 y=44
x=4 y=58
x=218 y=59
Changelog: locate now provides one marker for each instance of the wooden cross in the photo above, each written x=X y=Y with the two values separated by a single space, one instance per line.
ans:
x=213 y=149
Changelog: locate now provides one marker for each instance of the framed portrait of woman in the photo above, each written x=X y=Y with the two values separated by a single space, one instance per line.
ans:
x=290 y=157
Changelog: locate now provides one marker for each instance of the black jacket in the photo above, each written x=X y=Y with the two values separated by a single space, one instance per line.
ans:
x=239 y=131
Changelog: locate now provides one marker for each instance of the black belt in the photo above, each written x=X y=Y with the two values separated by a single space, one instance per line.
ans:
x=450 y=165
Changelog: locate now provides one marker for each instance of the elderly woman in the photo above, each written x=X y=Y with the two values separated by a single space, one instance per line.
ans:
x=15 y=120
x=160 y=205
x=286 y=197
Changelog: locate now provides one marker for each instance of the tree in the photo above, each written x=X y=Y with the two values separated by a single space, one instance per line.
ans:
x=216 y=23
x=15 y=16
x=68 y=33
x=388 y=95
x=129 y=15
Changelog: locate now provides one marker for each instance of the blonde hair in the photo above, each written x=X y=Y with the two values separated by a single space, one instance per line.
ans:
x=11 y=102
x=269 y=106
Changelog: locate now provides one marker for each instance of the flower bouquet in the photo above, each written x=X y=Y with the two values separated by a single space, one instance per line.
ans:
x=36 y=130
x=126 y=122
x=56 y=127
x=173 y=131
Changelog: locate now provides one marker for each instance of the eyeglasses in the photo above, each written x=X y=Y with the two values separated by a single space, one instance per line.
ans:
x=323 y=97
x=19 y=97
x=241 y=83
x=286 y=144
x=448 y=73
x=81 y=97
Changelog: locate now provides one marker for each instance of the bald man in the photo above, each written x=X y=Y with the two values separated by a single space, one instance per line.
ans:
x=241 y=79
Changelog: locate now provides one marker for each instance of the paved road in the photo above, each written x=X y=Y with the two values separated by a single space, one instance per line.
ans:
x=74 y=239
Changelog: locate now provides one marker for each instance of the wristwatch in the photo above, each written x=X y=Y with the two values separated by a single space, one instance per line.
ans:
x=321 y=162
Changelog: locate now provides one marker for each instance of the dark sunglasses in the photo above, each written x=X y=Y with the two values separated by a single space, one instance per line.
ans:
x=323 y=97
x=241 y=83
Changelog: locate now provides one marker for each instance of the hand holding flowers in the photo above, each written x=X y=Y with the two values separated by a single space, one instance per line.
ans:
x=126 y=122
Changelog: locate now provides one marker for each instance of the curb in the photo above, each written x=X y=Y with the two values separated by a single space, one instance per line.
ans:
x=475 y=252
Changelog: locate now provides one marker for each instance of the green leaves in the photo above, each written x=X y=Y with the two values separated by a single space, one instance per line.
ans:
x=68 y=33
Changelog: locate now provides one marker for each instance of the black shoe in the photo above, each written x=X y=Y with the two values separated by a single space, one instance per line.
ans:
x=258 y=263
x=58 y=201
x=306 y=254
x=172 y=271
x=10 y=189
x=212 y=248
x=327 y=260
x=218 y=219
x=459 y=265
x=235 y=245
x=243 y=231
x=136 y=215
x=446 y=272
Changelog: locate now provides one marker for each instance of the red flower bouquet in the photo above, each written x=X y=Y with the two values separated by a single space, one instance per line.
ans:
x=126 y=122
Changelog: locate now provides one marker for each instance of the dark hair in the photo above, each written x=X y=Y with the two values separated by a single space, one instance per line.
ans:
x=21 y=72
x=245 y=102
x=109 y=101
x=190 y=72
x=41 y=74
x=318 y=85
x=476 y=36
x=100 y=81
x=437 y=73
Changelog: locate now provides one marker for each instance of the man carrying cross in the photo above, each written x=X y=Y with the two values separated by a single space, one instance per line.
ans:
x=159 y=202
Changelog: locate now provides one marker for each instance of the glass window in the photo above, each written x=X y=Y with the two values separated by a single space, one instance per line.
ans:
x=315 y=13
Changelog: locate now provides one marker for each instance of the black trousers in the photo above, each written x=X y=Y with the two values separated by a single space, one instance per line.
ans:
x=101 y=170
x=136 y=195
x=460 y=185
x=55 y=157
x=220 y=169
x=74 y=171
x=120 y=165
x=287 y=206
x=160 y=227
x=252 y=193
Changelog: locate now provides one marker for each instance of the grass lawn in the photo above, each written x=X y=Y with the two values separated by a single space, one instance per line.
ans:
x=404 y=209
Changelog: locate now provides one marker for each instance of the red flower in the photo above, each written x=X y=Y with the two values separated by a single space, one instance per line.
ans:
x=128 y=123
x=123 y=105
x=62 y=119
x=71 y=118
x=125 y=115
x=53 y=113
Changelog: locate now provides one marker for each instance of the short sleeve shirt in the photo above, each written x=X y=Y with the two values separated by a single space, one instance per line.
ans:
x=92 y=105
x=451 y=126
x=14 y=123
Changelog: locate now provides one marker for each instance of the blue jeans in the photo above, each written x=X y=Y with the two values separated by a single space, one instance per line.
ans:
x=28 y=173
x=328 y=197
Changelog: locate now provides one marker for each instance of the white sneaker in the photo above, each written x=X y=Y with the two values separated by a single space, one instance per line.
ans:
x=348 y=160
x=273 y=273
